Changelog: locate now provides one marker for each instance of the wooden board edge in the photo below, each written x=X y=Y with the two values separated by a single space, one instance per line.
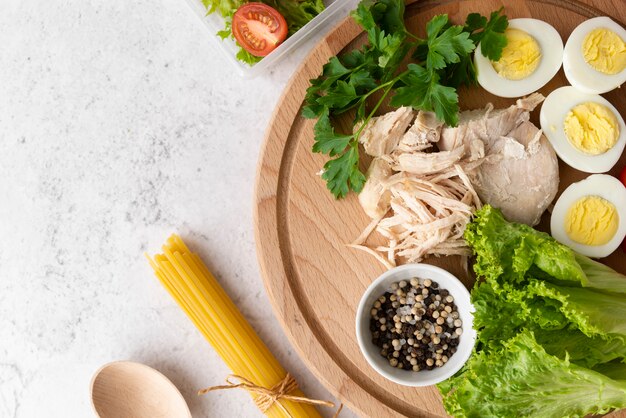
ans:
x=267 y=241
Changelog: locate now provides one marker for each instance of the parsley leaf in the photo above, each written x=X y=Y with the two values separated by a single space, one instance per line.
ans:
x=474 y=22
x=422 y=90
x=383 y=20
x=362 y=81
x=394 y=49
x=326 y=140
x=461 y=73
x=340 y=96
x=490 y=33
x=334 y=70
x=447 y=47
x=384 y=15
x=364 y=16
x=416 y=81
x=311 y=111
x=342 y=174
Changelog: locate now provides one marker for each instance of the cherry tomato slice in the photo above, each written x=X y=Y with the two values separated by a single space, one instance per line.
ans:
x=259 y=28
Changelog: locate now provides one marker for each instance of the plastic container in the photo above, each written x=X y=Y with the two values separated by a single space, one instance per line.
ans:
x=335 y=11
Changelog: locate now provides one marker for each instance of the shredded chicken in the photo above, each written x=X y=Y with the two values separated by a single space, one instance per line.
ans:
x=421 y=197
x=428 y=163
x=419 y=201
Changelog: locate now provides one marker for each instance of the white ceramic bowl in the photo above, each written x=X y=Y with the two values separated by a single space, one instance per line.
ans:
x=446 y=281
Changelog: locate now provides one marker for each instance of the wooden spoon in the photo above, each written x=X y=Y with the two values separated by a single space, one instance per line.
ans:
x=124 y=389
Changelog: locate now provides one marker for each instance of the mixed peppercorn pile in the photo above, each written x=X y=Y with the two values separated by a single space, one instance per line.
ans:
x=416 y=325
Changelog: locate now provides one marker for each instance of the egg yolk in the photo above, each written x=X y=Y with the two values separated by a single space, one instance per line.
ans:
x=591 y=221
x=605 y=51
x=520 y=56
x=591 y=128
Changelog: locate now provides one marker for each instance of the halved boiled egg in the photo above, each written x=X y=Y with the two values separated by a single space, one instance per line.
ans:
x=590 y=216
x=594 y=60
x=533 y=56
x=585 y=130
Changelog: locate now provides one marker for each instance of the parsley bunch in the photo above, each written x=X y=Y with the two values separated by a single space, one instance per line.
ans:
x=442 y=63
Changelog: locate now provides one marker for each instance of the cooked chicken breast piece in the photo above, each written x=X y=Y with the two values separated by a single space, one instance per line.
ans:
x=428 y=163
x=374 y=198
x=425 y=131
x=520 y=175
x=382 y=134
x=487 y=124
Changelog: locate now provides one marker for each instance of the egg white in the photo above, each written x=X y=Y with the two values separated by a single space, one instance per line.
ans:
x=551 y=46
x=552 y=117
x=601 y=185
x=582 y=75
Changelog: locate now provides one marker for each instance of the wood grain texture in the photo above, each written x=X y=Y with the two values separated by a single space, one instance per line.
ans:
x=313 y=280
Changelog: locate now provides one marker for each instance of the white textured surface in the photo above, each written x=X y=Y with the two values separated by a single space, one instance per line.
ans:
x=120 y=123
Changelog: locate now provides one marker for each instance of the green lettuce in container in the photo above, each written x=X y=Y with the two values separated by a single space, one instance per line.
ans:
x=297 y=13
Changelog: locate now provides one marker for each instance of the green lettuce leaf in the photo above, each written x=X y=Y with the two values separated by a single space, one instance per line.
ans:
x=297 y=13
x=594 y=313
x=225 y=8
x=615 y=370
x=248 y=58
x=522 y=380
x=501 y=317
x=600 y=276
x=516 y=250
x=582 y=350
x=551 y=328
x=494 y=328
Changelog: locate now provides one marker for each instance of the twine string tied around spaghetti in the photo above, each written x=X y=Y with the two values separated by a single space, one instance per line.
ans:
x=265 y=398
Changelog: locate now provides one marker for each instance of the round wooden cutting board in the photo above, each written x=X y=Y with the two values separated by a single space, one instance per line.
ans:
x=315 y=281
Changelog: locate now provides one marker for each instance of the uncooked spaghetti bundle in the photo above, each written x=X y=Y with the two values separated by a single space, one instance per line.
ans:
x=204 y=301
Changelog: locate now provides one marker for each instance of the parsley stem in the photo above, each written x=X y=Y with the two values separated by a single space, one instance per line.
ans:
x=382 y=86
x=388 y=85
x=418 y=39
